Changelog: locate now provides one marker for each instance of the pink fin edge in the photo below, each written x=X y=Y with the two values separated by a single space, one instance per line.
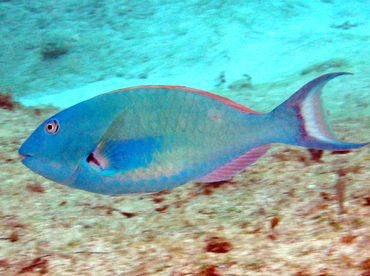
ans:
x=205 y=93
x=236 y=165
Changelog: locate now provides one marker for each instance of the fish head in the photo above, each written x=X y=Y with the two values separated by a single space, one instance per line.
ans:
x=57 y=147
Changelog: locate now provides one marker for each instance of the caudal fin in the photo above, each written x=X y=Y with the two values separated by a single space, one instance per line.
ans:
x=303 y=110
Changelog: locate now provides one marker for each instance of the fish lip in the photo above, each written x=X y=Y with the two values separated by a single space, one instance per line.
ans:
x=24 y=156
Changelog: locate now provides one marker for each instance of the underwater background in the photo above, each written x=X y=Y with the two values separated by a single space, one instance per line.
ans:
x=279 y=217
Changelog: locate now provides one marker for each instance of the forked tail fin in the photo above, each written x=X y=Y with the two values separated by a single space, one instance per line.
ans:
x=303 y=120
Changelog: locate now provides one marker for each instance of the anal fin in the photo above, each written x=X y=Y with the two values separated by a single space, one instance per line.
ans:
x=236 y=165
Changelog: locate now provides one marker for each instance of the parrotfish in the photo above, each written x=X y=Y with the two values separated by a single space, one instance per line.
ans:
x=153 y=138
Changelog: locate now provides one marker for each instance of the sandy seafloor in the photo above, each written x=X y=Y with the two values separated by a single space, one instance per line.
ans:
x=50 y=229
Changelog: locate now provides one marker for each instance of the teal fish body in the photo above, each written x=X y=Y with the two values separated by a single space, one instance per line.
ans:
x=152 y=138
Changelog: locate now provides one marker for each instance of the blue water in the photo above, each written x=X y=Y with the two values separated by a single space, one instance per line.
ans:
x=50 y=47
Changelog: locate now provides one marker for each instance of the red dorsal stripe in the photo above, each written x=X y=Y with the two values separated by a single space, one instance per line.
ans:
x=236 y=165
x=205 y=93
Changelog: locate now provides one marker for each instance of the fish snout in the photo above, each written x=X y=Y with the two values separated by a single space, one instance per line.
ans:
x=23 y=153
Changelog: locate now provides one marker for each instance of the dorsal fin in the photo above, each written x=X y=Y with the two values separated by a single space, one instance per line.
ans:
x=193 y=90
x=236 y=165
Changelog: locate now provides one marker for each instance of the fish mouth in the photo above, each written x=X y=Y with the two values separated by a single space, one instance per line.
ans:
x=26 y=159
x=24 y=156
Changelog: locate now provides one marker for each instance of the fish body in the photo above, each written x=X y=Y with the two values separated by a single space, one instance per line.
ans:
x=152 y=138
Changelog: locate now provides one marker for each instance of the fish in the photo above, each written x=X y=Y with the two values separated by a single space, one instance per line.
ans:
x=153 y=138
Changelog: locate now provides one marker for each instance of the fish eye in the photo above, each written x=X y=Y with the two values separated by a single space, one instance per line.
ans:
x=52 y=126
